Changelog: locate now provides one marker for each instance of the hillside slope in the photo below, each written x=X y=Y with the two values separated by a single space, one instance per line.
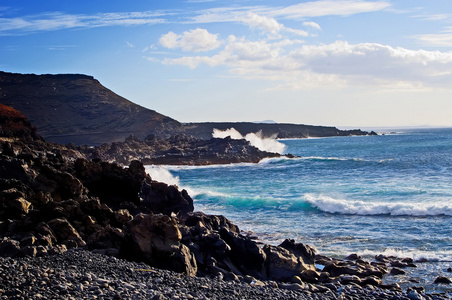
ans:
x=77 y=108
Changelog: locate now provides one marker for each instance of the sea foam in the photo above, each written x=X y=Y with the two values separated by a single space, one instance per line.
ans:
x=357 y=207
x=256 y=139
x=162 y=174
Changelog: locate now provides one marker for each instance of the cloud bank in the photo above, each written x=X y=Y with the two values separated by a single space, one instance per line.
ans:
x=339 y=63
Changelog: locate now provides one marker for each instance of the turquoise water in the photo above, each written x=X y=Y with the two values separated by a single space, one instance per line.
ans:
x=389 y=194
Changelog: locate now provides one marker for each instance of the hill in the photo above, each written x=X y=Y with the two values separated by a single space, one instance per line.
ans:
x=77 y=108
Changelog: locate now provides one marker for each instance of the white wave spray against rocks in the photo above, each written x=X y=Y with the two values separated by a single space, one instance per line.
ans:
x=256 y=139
x=162 y=174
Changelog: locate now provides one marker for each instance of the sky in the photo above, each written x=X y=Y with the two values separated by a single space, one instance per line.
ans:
x=344 y=63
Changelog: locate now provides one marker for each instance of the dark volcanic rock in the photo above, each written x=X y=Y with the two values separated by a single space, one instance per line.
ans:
x=178 y=150
x=77 y=108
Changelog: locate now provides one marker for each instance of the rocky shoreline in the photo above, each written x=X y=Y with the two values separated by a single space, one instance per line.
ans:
x=71 y=227
x=176 y=150
x=80 y=274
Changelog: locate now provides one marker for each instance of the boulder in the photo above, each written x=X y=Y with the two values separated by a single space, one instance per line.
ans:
x=106 y=238
x=20 y=205
x=110 y=182
x=210 y=222
x=443 y=280
x=397 y=271
x=282 y=264
x=245 y=254
x=160 y=197
x=156 y=238
x=65 y=233
x=9 y=247
x=304 y=252
x=361 y=270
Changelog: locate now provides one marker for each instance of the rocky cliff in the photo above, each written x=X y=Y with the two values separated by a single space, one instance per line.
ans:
x=78 y=109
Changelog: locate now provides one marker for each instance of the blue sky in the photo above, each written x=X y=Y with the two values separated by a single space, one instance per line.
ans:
x=340 y=63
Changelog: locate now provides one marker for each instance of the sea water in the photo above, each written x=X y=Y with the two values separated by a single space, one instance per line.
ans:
x=388 y=194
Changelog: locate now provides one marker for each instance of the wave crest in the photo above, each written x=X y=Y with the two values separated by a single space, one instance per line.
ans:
x=356 y=207
x=256 y=139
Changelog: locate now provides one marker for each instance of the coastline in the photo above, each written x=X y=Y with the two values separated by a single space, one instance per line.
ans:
x=55 y=204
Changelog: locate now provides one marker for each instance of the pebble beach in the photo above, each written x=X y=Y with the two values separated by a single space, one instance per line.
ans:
x=80 y=274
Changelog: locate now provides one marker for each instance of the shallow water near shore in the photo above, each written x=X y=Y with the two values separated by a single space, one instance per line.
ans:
x=387 y=194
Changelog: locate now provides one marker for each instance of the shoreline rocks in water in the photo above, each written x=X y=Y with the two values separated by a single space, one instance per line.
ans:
x=53 y=200
x=177 y=150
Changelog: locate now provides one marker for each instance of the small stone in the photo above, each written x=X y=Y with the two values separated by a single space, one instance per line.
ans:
x=413 y=295
x=353 y=256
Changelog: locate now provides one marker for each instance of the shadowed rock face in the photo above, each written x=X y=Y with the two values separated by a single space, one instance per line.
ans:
x=78 y=109
x=13 y=124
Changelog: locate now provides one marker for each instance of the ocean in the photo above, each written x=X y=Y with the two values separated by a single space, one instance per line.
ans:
x=389 y=194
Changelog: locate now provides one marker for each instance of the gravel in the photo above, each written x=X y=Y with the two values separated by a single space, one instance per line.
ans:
x=80 y=274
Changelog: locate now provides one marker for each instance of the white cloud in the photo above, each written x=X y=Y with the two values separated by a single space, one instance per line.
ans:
x=196 y=40
x=58 y=21
x=263 y=22
x=339 y=63
x=312 y=24
x=270 y=25
x=433 y=17
x=443 y=39
x=330 y=7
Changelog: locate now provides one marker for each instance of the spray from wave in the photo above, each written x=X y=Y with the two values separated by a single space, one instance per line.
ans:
x=162 y=174
x=356 y=207
x=256 y=139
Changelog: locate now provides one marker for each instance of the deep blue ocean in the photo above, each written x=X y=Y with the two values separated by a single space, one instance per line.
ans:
x=388 y=194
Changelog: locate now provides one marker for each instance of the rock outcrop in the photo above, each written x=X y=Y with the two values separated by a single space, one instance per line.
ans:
x=177 y=150
x=52 y=199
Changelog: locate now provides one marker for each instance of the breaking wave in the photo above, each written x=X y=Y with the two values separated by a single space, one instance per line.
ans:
x=162 y=174
x=256 y=139
x=354 y=207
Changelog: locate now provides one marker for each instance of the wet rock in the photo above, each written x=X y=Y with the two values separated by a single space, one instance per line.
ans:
x=397 y=271
x=353 y=256
x=442 y=280
x=414 y=295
